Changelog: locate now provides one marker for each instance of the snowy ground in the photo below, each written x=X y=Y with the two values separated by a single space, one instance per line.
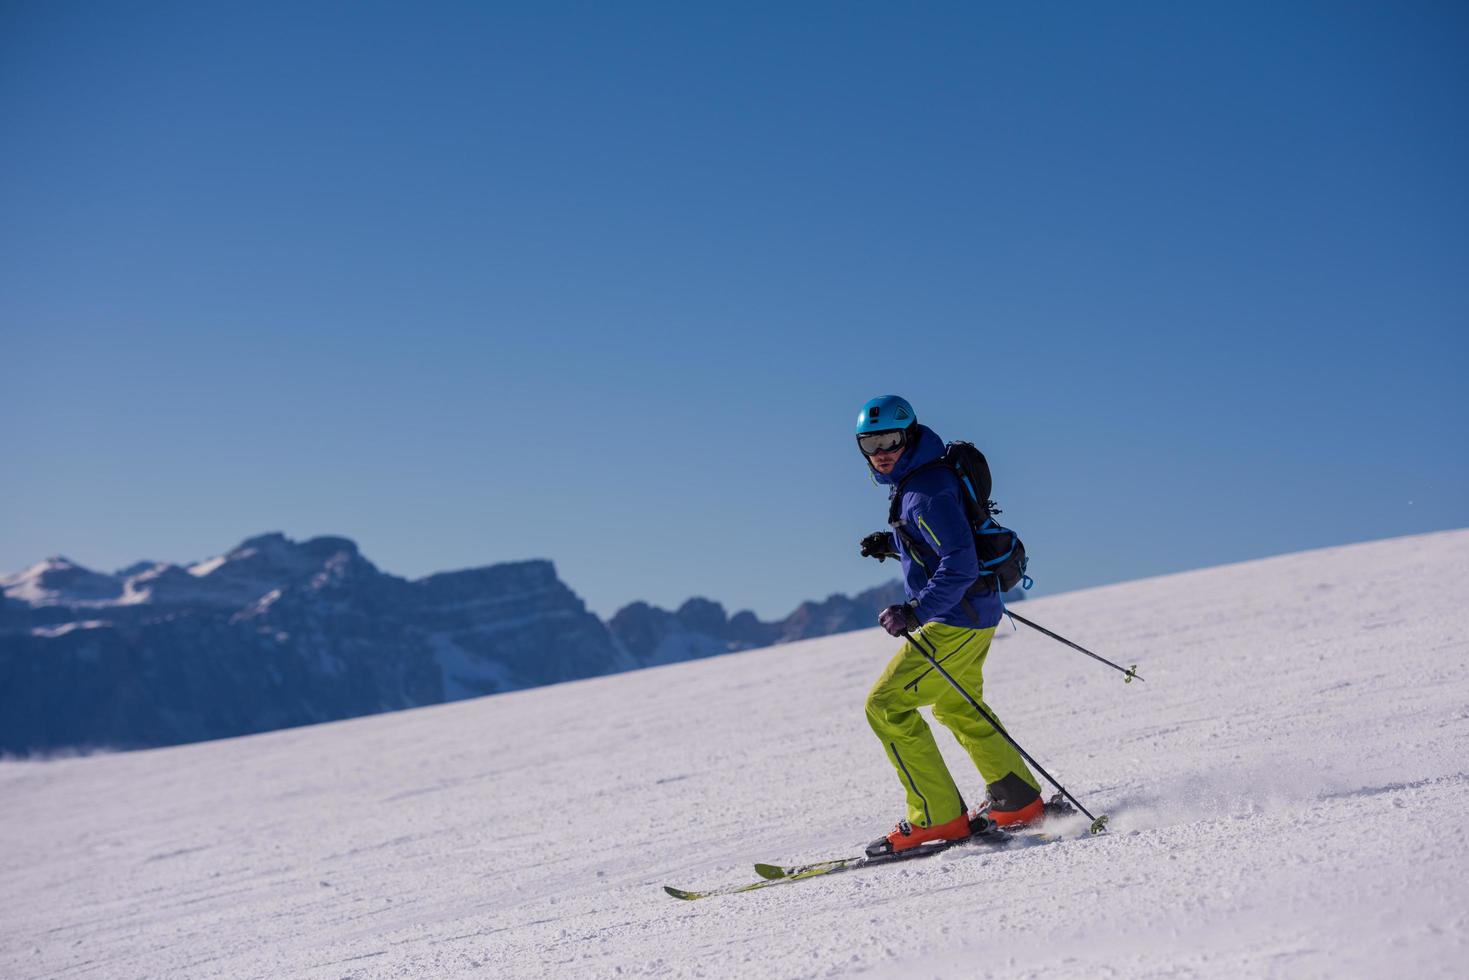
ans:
x=1288 y=792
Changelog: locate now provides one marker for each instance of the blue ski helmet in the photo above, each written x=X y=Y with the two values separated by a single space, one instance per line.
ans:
x=885 y=413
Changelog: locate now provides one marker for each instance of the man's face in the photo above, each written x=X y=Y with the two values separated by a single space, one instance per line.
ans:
x=884 y=462
x=890 y=444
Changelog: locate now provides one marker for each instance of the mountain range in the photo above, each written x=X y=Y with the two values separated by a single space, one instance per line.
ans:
x=277 y=633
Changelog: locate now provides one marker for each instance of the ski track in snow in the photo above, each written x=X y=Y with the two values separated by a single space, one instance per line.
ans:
x=1287 y=791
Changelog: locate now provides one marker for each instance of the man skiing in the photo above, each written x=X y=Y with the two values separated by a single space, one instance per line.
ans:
x=955 y=612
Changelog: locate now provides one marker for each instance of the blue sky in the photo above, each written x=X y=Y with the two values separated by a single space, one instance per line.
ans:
x=607 y=283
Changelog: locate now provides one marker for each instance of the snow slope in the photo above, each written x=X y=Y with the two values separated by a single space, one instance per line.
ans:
x=1288 y=794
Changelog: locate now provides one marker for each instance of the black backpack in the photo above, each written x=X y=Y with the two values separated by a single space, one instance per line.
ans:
x=1002 y=558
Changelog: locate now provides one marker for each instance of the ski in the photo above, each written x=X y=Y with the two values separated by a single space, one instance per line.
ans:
x=810 y=872
x=986 y=833
x=774 y=871
x=990 y=837
x=774 y=874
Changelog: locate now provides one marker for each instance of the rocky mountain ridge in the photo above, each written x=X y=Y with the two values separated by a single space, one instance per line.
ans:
x=277 y=633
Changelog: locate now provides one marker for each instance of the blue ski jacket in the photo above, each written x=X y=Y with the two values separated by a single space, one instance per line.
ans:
x=939 y=576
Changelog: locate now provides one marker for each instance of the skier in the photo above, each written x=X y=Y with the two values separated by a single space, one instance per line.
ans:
x=956 y=613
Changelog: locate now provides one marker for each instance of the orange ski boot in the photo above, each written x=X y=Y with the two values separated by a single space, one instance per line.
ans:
x=905 y=836
x=1013 y=803
x=1031 y=813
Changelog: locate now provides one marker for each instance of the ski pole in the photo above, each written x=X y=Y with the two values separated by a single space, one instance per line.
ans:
x=1098 y=823
x=1129 y=672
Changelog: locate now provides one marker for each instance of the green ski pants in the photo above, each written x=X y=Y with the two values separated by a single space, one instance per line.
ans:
x=908 y=683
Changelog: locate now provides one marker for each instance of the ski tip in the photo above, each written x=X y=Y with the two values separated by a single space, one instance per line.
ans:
x=770 y=872
x=680 y=893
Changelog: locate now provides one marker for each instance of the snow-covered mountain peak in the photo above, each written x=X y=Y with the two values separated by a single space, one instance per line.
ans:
x=269 y=562
x=274 y=552
x=164 y=582
x=60 y=580
x=257 y=566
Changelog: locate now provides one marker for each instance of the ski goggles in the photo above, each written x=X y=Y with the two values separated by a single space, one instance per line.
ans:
x=872 y=443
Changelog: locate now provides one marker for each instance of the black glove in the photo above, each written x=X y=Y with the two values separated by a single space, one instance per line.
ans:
x=898 y=619
x=879 y=545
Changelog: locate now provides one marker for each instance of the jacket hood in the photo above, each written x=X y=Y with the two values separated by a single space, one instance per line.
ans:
x=926 y=449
